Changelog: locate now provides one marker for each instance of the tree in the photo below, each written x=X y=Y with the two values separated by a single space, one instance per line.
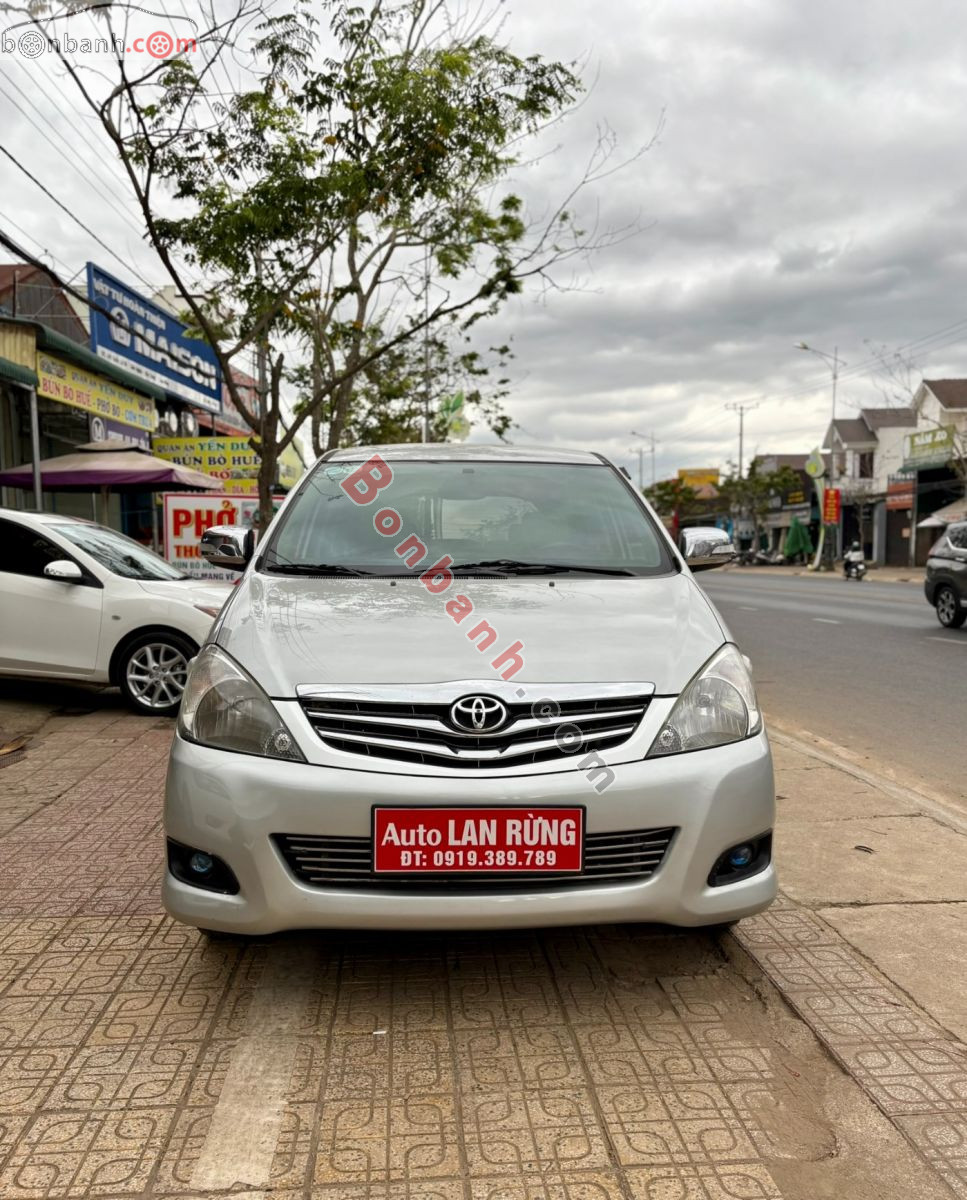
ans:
x=346 y=198
x=751 y=497
x=673 y=498
x=388 y=399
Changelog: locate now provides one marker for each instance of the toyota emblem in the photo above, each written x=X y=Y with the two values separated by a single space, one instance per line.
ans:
x=478 y=714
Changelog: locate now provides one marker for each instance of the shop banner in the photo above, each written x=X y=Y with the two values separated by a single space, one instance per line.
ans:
x=186 y=517
x=928 y=448
x=899 y=495
x=232 y=460
x=832 y=506
x=61 y=381
x=150 y=343
x=694 y=477
x=103 y=430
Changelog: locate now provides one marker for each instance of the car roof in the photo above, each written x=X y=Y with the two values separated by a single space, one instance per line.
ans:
x=458 y=452
x=44 y=517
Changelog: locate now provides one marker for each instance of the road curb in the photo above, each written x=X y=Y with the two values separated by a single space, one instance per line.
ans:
x=804 y=573
x=911 y=1067
x=943 y=808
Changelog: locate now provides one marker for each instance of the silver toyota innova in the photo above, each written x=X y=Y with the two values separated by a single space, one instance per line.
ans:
x=462 y=687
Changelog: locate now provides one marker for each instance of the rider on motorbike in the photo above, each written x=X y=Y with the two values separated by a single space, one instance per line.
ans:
x=853 y=556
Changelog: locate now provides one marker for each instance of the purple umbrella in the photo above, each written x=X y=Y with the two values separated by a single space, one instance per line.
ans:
x=110 y=465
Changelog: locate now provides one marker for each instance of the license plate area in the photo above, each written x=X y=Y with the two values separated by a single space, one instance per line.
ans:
x=548 y=840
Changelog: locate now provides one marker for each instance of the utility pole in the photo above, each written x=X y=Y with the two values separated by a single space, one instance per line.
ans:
x=741 y=409
x=650 y=438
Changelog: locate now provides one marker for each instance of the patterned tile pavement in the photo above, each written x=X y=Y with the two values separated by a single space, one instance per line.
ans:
x=914 y=1070
x=137 y=1058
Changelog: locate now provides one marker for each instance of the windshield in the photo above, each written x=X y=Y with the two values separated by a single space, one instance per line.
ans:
x=500 y=518
x=118 y=553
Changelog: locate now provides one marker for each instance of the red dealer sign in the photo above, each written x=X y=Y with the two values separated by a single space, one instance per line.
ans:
x=477 y=840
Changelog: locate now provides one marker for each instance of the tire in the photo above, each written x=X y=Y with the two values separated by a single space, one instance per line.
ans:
x=151 y=673
x=950 y=614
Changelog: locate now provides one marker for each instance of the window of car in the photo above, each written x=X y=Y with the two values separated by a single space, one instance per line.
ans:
x=118 y=554
x=25 y=551
x=957 y=536
x=562 y=514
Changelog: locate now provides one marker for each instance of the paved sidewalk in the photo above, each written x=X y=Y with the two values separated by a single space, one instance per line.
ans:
x=869 y=943
x=793 y=1059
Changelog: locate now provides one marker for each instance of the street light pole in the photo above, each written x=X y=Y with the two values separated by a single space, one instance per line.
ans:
x=834 y=362
x=640 y=451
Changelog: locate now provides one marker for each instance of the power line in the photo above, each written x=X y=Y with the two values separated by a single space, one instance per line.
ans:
x=77 y=127
x=43 y=249
x=103 y=152
x=70 y=159
x=90 y=232
x=33 y=261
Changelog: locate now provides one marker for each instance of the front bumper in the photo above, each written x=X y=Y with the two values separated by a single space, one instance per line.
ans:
x=229 y=805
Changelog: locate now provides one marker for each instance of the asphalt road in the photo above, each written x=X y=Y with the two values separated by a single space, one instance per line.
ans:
x=865 y=665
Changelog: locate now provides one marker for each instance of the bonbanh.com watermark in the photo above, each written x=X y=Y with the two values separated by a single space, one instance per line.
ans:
x=42 y=35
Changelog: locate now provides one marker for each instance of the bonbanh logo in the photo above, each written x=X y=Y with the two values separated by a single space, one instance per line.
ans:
x=32 y=41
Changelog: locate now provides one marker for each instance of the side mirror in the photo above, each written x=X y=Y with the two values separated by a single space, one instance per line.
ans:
x=64 y=570
x=229 y=546
x=705 y=547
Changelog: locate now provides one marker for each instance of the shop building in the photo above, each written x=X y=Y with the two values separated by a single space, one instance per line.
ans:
x=55 y=395
x=864 y=455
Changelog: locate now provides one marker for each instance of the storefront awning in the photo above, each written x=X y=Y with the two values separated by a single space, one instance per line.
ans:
x=81 y=356
x=48 y=339
x=957 y=511
x=15 y=373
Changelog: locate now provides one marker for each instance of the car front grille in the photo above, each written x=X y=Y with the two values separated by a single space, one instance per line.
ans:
x=347 y=862
x=423 y=733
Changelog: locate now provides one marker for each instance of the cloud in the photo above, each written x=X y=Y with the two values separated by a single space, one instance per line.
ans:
x=808 y=183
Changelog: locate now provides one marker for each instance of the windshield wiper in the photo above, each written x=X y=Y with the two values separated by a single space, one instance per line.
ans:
x=312 y=569
x=513 y=566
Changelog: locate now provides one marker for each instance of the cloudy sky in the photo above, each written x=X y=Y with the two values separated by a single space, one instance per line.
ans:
x=809 y=183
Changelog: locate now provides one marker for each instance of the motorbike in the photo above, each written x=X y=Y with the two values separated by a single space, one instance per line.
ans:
x=856 y=570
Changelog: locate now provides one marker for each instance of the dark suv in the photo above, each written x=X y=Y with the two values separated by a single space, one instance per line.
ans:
x=946 y=582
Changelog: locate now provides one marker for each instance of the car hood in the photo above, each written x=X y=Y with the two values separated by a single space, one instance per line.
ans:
x=286 y=632
x=210 y=592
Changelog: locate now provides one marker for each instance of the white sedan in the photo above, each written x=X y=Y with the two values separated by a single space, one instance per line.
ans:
x=80 y=601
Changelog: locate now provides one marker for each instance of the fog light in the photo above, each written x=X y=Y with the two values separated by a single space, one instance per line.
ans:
x=200 y=869
x=741 y=861
x=739 y=857
x=200 y=863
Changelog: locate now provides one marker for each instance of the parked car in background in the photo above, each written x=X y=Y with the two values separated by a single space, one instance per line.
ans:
x=80 y=601
x=946 y=583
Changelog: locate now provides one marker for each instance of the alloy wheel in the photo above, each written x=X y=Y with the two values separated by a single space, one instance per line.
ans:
x=156 y=674
x=946 y=606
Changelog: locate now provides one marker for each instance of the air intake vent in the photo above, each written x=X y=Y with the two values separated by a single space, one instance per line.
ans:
x=346 y=862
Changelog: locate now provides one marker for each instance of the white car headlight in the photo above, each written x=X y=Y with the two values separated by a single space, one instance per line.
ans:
x=224 y=707
x=718 y=706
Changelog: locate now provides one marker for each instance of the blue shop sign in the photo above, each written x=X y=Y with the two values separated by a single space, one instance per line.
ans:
x=147 y=341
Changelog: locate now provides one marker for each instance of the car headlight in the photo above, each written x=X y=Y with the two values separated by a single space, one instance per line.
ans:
x=224 y=707
x=718 y=706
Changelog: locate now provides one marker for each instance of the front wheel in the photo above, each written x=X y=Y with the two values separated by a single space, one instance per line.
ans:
x=153 y=671
x=950 y=614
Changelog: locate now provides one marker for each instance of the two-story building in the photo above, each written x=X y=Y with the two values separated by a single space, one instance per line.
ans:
x=864 y=454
